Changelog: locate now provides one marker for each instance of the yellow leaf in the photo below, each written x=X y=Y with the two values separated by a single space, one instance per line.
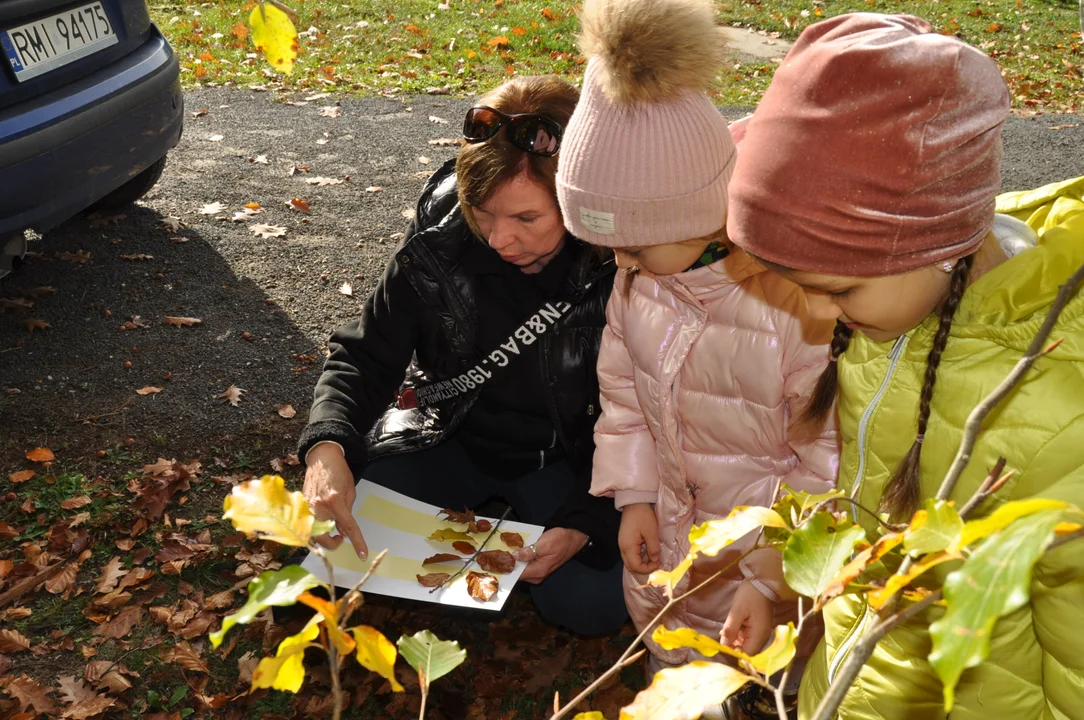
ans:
x=593 y=715
x=376 y=653
x=684 y=692
x=779 y=653
x=1001 y=518
x=714 y=535
x=275 y=35
x=264 y=508
x=449 y=535
x=330 y=615
x=859 y=563
x=878 y=598
x=688 y=638
x=668 y=579
x=285 y=671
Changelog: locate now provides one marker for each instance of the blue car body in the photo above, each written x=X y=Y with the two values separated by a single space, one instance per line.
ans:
x=72 y=131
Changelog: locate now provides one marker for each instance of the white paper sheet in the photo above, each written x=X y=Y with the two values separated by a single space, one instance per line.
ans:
x=402 y=525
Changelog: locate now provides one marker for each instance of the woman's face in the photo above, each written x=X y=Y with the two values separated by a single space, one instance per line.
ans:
x=521 y=221
x=881 y=308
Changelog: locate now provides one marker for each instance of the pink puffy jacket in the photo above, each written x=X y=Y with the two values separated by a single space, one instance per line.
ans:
x=701 y=375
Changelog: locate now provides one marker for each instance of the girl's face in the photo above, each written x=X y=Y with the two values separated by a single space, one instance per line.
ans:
x=881 y=308
x=668 y=259
x=520 y=220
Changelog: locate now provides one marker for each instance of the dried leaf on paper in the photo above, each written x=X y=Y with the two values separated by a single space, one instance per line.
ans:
x=512 y=539
x=466 y=516
x=433 y=579
x=479 y=526
x=449 y=535
x=464 y=547
x=481 y=586
x=498 y=561
x=441 y=558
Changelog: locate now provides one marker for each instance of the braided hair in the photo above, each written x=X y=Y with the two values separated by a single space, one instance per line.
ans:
x=902 y=496
x=824 y=394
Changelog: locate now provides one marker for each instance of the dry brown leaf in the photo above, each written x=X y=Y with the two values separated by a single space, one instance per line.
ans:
x=137 y=256
x=433 y=579
x=480 y=526
x=79 y=256
x=43 y=290
x=260 y=160
x=181 y=321
x=41 y=455
x=186 y=657
x=121 y=624
x=445 y=142
x=374 y=189
x=62 y=580
x=441 y=558
x=212 y=208
x=498 y=561
x=246 y=665
x=347 y=289
x=287 y=411
x=297 y=169
x=219 y=601
x=72 y=690
x=456 y=516
x=149 y=390
x=331 y=111
x=232 y=395
x=173 y=224
x=464 y=547
x=437 y=120
x=298 y=205
x=424 y=160
x=21 y=476
x=111 y=573
x=481 y=586
x=76 y=502
x=323 y=181
x=11 y=641
x=33 y=324
x=28 y=693
x=512 y=539
x=90 y=707
x=267 y=231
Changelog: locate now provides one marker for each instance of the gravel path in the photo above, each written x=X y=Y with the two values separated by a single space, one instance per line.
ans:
x=267 y=305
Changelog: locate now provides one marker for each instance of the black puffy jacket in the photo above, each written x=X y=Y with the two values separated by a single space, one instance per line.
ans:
x=421 y=318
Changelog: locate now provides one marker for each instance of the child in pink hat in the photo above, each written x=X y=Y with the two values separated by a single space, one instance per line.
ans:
x=707 y=359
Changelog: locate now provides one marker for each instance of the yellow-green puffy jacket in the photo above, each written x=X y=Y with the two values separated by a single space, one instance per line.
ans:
x=1036 y=664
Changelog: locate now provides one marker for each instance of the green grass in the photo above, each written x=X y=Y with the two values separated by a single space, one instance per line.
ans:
x=413 y=46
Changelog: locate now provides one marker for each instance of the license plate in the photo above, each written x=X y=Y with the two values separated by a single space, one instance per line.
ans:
x=51 y=42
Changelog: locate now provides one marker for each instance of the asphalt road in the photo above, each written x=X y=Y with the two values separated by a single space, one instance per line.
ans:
x=267 y=304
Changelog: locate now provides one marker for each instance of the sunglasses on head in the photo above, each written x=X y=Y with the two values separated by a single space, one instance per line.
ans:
x=537 y=134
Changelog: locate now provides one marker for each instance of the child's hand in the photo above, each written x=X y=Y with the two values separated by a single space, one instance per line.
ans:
x=638 y=538
x=750 y=622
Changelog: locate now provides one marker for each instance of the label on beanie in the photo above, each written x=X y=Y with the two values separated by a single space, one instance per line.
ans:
x=597 y=221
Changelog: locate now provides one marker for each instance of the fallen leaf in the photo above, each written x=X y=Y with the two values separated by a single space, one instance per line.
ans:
x=76 y=502
x=498 y=561
x=137 y=256
x=331 y=111
x=445 y=142
x=437 y=120
x=244 y=215
x=173 y=224
x=43 y=290
x=90 y=707
x=287 y=411
x=267 y=231
x=122 y=624
x=215 y=138
x=232 y=394
x=186 y=657
x=11 y=641
x=33 y=324
x=323 y=181
x=73 y=690
x=408 y=213
x=424 y=160
x=260 y=160
x=294 y=170
x=212 y=208
x=149 y=390
x=298 y=205
x=41 y=455
x=347 y=289
x=181 y=321
x=21 y=476
x=111 y=573
x=202 y=111
x=480 y=586
x=28 y=693
x=441 y=558
x=78 y=256
x=64 y=579
x=429 y=580
x=499 y=41
x=464 y=547
x=511 y=539
x=374 y=189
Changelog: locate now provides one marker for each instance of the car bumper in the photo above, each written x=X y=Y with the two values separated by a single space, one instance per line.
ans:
x=64 y=153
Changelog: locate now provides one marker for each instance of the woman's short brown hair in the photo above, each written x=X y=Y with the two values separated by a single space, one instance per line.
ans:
x=483 y=167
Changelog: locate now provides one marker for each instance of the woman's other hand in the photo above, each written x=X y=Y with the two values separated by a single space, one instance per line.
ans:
x=330 y=490
x=556 y=547
x=638 y=538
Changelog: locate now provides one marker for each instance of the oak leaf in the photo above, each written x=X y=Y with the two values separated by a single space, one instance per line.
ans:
x=267 y=231
x=28 y=693
x=73 y=690
x=481 y=586
x=111 y=573
x=21 y=476
x=433 y=579
x=323 y=181
x=498 y=561
x=466 y=516
x=512 y=539
x=463 y=546
x=441 y=558
x=90 y=707
x=149 y=390
x=41 y=455
x=331 y=111
x=172 y=224
x=212 y=209
x=298 y=205
x=232 y=394
x=33 y=324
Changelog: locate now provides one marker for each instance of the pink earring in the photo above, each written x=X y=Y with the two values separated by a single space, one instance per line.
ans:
x=947 y=267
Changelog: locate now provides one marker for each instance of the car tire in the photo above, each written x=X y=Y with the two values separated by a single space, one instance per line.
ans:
x=132 y=190
x=11 y=255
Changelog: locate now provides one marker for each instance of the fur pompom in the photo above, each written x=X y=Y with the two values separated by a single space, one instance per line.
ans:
x=651 y=50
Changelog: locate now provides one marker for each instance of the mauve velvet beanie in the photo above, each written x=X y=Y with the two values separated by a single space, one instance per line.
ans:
x=646 y=158
x=875 y=151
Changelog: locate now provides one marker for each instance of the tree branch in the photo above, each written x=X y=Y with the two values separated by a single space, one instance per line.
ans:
x=780 y=701
x=474 y=557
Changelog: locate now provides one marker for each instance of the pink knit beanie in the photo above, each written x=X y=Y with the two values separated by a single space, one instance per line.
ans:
x=875 y=151
x=646 y=157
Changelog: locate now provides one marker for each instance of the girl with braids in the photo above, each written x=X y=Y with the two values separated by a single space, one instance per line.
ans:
x=644 y=170
x=868 y=175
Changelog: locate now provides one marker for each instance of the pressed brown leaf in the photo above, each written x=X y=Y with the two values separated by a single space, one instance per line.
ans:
x=111 y=573
x=181 y=321
x=480 y=526
x=481 y=586
x=466 y=516
x=76 y=502
x=41 y=455
x=11 y=641
x=498 y=561
x=441 y=558
x=512 y=539
x=464 y=547
x=433 y=579
x=21 y=476
x=63 y=579
x=149 y=390
x=232 y=395
x=33 y=324
x=267 y=231
x=287 y=411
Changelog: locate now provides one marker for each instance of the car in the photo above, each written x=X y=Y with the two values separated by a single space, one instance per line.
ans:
x=90 y=104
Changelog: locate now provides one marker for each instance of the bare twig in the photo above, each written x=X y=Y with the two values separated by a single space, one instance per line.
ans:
x=474 y=557
x=993 y=482
x=352 y=594
x=332 y=651
x=780 y=701
x=623 y=660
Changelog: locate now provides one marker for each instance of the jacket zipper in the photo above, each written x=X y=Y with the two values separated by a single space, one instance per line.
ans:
x=894 y=356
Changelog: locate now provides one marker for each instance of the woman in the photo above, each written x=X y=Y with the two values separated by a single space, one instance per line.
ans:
x=499 y=314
